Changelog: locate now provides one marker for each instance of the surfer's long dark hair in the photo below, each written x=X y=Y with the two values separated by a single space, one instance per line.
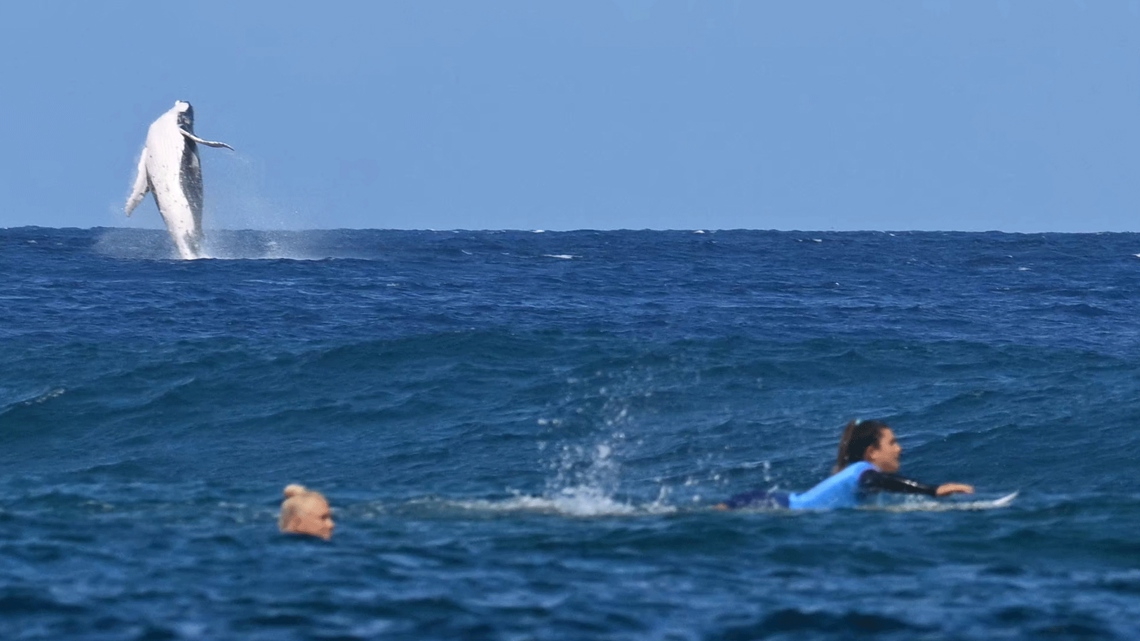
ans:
x=857 y=437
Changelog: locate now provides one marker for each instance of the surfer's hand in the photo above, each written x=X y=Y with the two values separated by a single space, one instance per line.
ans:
x=946 y=489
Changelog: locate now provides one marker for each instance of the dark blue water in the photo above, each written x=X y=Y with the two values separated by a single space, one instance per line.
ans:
x=521 y=434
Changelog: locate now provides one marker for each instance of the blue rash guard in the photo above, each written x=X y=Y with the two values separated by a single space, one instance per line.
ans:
x=838 y=490
x=844 y=489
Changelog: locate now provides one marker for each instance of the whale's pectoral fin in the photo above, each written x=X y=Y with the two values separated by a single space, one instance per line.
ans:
x=208 y=143
x=142 y=185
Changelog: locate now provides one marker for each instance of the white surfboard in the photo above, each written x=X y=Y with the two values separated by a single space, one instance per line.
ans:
x=942 y=505
x=1003 y=501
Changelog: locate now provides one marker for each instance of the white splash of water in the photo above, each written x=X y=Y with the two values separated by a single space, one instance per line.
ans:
x=575 y=502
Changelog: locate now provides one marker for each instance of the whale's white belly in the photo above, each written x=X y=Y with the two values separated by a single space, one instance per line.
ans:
x=169 y=168
x=176 y=180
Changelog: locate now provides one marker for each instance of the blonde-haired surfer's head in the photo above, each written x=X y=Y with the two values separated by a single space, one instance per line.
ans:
x=305 y=512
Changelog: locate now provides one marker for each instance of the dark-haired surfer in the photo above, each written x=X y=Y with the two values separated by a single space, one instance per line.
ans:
x=867 y=463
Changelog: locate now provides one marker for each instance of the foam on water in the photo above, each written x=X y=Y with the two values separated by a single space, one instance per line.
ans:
x=571 y=501
x=219 y=244
x=235 y=199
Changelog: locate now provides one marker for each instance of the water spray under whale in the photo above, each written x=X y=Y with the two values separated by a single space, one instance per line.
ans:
x=169 y=167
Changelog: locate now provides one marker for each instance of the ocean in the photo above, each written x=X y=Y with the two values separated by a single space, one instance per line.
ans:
x=522 y=434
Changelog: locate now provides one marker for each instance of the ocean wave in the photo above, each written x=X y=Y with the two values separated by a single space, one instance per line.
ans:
x=524 y=434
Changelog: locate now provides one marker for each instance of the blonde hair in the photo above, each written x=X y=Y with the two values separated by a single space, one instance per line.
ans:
x=295 y=496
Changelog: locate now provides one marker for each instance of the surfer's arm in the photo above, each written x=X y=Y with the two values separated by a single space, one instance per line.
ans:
x=142 y=185
x=201 y=141
x=946 y=489
x=875 y=481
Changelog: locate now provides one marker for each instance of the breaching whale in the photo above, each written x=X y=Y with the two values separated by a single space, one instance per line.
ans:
x=170 y=168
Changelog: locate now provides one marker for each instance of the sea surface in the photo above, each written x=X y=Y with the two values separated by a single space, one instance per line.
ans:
x=523 y=434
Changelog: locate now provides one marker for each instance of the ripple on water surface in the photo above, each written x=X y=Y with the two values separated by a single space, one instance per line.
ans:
x=522 y=434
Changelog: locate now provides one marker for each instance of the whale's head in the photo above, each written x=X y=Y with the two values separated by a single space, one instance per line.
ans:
x=185 y=114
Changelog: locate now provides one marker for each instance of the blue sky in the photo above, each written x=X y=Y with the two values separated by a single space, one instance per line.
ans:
x=421 y=114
